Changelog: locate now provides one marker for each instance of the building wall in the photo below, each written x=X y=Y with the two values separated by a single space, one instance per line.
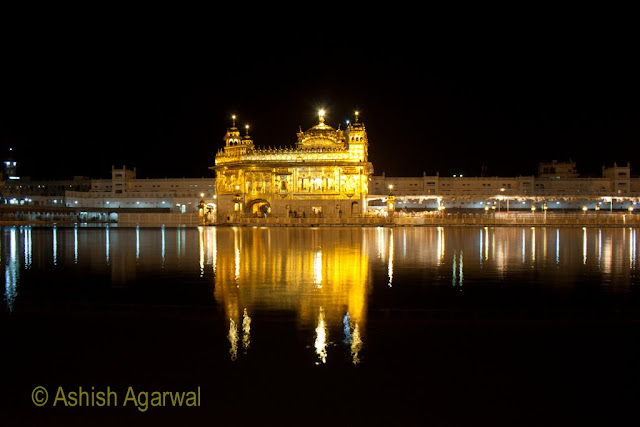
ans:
x=124 y=190
x=430 y=192
x=41 y=192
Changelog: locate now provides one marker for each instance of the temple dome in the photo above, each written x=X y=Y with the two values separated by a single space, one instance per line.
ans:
x=320 y=135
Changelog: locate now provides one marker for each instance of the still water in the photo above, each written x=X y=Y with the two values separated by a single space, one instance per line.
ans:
x=328 y=325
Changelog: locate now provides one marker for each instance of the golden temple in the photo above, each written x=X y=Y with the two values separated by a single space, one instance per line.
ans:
x=325 y=174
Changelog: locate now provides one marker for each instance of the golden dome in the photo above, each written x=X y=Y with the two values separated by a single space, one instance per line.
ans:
x=320 y=135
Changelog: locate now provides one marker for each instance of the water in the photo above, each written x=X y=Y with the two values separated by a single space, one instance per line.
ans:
x=314 y=326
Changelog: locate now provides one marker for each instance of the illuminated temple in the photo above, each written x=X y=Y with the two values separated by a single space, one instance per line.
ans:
x=325 y=174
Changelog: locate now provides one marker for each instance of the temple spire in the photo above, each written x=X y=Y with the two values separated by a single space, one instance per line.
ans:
x=321 y=116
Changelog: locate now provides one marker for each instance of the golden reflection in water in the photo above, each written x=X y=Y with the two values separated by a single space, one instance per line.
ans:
x=236 y=260
x=607 y=255
x=486 y=243
x=317 y=269
x=233 y=339
x=356 y=345
x=380 y=242
x=246 y=331
x=533 y=244
x=352 y=338
x=320 y=343
x=320 y=275
x=440 y=246
x=493 y=244
x=201 y=247
x=390 y=266
x=584 y=245
x=212 y=248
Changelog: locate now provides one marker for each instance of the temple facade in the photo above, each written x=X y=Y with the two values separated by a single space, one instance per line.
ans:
x=326 y=174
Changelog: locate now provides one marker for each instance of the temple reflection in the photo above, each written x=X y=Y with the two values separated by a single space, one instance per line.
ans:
x=321 y=338
x=246 y=331
x=320 y=275
x=323 y=276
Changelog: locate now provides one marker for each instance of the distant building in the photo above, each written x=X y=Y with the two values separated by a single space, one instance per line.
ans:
x=125 y=191
x=555 y=169
x=561 y=188
x=325 y=174
x=41 y=192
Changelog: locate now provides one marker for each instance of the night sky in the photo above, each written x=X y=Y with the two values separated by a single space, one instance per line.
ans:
x=436 y=93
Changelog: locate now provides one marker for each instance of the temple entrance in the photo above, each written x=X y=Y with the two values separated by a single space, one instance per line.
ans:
x=258 y=207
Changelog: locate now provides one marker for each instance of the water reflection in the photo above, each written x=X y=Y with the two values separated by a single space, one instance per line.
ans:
x=322 y=281
x=246 y=331
x=457 y=275
x=233 y=339
x=106 y=250
x=75 y=244
x=584 y=245
x=632 y=247
x=321 y=338
x=390 y=266
x=320 y=275
x=55 y=245
x=28 y=247
x=557 y=246
x=11 y=270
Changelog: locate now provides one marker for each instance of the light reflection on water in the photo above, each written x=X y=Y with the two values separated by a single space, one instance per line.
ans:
x=328 y=277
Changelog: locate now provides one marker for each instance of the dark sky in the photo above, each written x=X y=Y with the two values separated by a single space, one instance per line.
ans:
x=436 y=92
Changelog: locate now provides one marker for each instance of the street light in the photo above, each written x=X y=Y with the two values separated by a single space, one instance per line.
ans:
x=236 y=206
x=391 y=206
